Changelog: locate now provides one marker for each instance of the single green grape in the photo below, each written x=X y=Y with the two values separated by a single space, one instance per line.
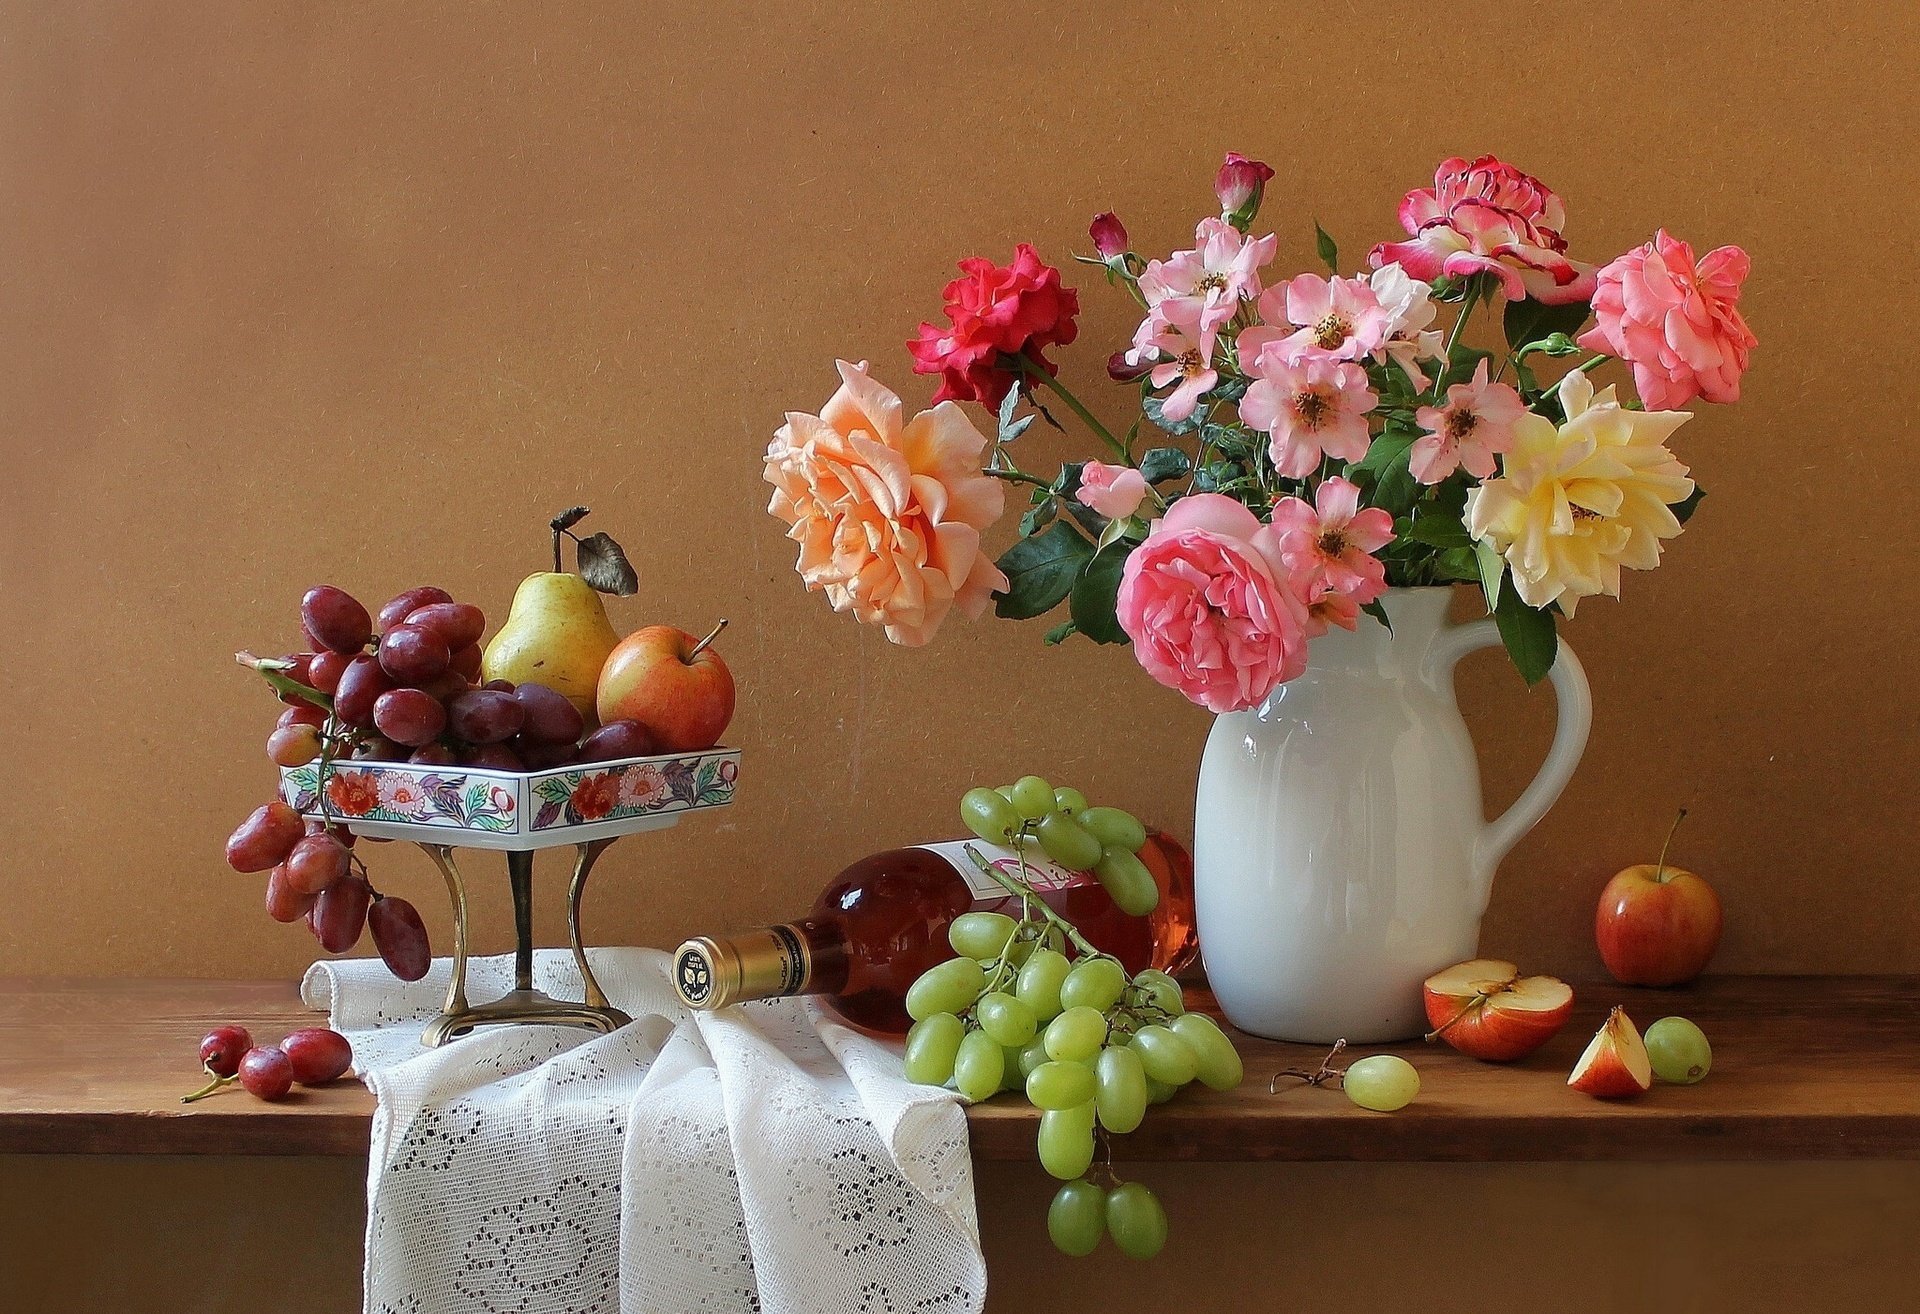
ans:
x=980 y=934
x=1057 y=1085
x=1165 y=1055
x=1135 y=1220
x=1161 y=991
x=1011 y=1077
x=1678 y=1051
x=1121 y=1097
x=988 y=814
x=1066 y=1141
x=1159 y=1092
x=1127 y=879
x=948 y=987
x=1032 y=1055
x=1382 y=1082
x=1217 y=1062
x=1006 y=1019
x=932 y=1043
x=1032 y=797
x=1070 y=801
x=1076 y=1035
x=1067 y=844
x=1004 y=791
x=1096 y=983
x=1112 y=827
x=1038 y=985
x=1077 y=1218
x=978 y=1067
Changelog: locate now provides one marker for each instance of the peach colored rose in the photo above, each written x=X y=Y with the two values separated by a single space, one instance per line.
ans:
x=1676 y=321
x=888 y=514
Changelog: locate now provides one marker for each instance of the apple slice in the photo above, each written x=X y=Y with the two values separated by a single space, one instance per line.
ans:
x=1487 y=1010
x=1615 y=1065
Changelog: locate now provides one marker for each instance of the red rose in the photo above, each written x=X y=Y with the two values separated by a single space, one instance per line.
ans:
x=1019 y=310
x=595 y=796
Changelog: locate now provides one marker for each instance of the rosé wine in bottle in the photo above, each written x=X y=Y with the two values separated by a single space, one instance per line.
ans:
x=883 y=921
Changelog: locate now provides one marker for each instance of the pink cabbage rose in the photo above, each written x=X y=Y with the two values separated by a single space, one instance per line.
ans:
x=1211 y=606
x=1115 y=491
x=888 y=513
x=1678 y=323
x=1488 y=217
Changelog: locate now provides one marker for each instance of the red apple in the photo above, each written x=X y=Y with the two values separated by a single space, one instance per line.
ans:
x=1487 y=1010
x=1615 y=1064
x=1657 y=925
x=675 y=686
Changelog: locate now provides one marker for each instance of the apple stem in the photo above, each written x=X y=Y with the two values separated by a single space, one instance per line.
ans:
x=713 y=634
x=1660 y=868
x=1465 y=1009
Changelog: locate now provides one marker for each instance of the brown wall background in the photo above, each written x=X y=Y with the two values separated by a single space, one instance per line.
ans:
x=364 y=292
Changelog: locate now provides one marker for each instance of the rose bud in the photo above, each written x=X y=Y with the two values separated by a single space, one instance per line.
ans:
x=1120 y=370
x=1109 y=235
x=1239 y=185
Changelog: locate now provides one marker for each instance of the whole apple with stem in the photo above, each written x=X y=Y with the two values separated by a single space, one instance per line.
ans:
x=671 y=683
x=1657 y=925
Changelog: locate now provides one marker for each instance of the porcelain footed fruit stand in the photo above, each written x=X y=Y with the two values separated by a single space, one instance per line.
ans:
x=587 y=806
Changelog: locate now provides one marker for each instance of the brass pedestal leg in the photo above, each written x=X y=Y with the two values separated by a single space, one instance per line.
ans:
x=523 y=1003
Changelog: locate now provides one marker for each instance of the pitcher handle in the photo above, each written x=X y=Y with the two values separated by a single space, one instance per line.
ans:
x=1574 y=706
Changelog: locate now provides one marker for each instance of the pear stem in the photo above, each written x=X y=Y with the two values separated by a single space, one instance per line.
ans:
x=1660 y=867
x=701 y=646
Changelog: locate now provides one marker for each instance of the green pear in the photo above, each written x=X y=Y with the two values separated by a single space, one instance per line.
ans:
x=557 y=634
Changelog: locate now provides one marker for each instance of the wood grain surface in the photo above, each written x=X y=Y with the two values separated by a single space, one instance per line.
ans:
x=1804 y=1068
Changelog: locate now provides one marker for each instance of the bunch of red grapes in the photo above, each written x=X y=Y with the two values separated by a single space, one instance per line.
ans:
x=397 y=687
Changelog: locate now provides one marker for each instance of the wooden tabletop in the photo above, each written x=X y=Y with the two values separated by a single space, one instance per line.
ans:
x=1804 y=1068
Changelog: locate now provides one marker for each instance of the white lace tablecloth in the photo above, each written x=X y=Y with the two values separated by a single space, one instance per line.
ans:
x=758 y=1158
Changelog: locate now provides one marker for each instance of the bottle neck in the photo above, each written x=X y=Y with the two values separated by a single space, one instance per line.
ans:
x=772 y=963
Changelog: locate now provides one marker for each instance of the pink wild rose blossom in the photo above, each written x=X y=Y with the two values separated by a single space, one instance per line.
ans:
x=1475 y=425
x=1338 y=317
x=1201 y=290
x=1115 y=491
x=1179 y=359
x=1309 y=406
x=1676 y=322
x=1332 y=542
x=1212 y=607
x=1488 y=217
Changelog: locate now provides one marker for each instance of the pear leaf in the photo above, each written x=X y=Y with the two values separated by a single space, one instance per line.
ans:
x=605 y=566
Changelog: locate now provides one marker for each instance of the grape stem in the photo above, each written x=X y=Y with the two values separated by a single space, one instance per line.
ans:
x=1026 y=892
x=1320 y=1076
x=206 y=1090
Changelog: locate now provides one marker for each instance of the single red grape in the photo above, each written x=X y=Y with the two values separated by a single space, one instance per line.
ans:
x=265 y=838
x=550 y=718
x=409 y=716
x=302 y=714
x=221 y=1050
x=379 y=748
x=433 y=755
x=401 y=937
x=361 y=685
x=494 y=757
x=327 y=668
x=336 y=618
x=266 y=1072
x=456 y=624
x=341 y=914
x=618 y=739
x=293 y=745
x=485 y=716
x=410 y=654
x=285 y=901
x=318 y=1055
x=316 y=862
x=466 y=662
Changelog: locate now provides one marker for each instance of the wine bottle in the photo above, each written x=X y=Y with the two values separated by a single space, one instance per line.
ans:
x=883 y=921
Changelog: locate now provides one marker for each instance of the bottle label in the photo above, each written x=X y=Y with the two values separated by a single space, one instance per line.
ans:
x=1040 y=871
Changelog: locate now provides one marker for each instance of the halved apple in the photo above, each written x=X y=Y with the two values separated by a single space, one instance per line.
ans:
x=1487 y=1010
x=1615 y=1065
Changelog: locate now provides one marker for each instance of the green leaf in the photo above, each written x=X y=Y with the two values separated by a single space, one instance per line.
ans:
x=1458 y=563
x=1328 y=249
x=1040 y=571
x=1384 y=473
x=1492 y=567
x=1527 y=320
x=1038 y=518
x=1529 y=635
x=1163 y=463
x=1229 y=440
x=1683 y=510
x=1378 y=612
x=1096 y=591
x=1215 y=475
x=1011 y=428
x=1441 y=531
x=1058 y=634
x=1465 y=361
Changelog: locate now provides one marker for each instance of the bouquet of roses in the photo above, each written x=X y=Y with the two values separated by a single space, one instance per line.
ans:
x=1301 y=444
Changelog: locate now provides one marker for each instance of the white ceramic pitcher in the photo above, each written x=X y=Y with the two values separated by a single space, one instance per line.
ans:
x=1341 y=852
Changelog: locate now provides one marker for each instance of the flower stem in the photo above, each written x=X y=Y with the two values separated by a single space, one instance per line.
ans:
x=1034 y=371
x=1467 y=307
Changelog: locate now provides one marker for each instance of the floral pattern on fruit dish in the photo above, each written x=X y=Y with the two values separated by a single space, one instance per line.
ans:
x=634 y=789
x=498 y=801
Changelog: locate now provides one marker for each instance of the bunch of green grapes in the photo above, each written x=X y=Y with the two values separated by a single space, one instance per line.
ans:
x=1105 y=842
x=1030 y=1005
